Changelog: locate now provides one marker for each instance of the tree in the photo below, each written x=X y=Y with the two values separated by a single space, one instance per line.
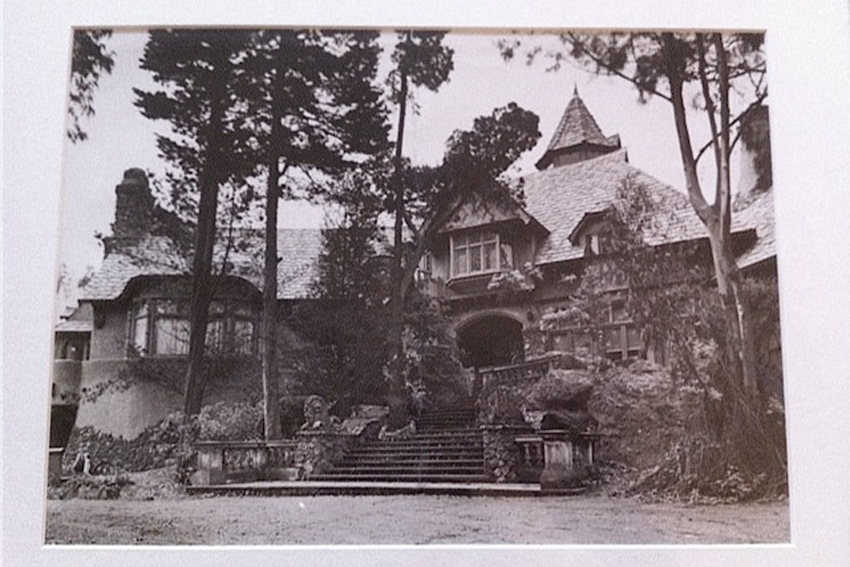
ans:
x=317 y=112
x=421 y=60
x=666 y=293
x=90 y=59
x=208 y=148
x=472 y=167
x=349 y=315
x=710 y=68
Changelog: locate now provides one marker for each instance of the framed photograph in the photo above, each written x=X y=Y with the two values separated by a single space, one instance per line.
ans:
x=388 y=283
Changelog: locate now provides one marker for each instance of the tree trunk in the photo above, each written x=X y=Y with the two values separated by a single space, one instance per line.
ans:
x=201 y=290
x=397 y=307
x=716 y=218
x=271 y=401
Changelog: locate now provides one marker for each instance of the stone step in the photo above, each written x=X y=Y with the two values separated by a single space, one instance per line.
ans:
x=410 y=454
x=442 y=417
x=396 y=477
x=412 y=462
x=386 y=469
x=418 y=448
x=446 y=423
x=437 y=436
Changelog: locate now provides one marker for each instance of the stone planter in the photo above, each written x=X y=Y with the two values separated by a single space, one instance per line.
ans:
x=568 y=459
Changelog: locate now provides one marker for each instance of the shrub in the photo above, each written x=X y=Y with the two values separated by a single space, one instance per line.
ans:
x=223 y=421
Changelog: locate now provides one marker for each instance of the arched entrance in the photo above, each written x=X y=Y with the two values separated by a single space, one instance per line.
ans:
x=490 y=340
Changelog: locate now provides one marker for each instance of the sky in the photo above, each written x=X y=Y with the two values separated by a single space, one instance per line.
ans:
x=121 y=138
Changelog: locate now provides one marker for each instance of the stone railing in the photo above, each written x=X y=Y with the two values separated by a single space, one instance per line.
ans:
x=494 y=376
x=220 y=462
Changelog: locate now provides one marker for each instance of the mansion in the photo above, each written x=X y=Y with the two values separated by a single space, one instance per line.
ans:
x=133 y=311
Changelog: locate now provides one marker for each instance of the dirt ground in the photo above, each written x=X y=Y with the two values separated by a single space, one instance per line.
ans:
x=410 y=520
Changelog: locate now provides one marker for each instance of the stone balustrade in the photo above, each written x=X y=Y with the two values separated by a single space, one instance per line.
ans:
x=220 y=462
x=494 y=376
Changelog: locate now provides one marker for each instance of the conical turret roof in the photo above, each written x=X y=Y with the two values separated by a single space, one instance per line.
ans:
x=577 y=128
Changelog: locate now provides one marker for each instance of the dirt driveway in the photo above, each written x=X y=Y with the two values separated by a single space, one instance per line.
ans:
x=410 y=520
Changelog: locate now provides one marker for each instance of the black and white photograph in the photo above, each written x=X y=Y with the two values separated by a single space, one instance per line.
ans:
x=424 y=287
x=418 y=271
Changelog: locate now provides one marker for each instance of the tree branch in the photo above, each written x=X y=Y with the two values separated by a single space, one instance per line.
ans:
x=709 y=111
x=735 y=121
x=577 y=43
x=673 y=64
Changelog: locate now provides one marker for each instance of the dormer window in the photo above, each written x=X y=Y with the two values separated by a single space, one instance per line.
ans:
x=479 y=253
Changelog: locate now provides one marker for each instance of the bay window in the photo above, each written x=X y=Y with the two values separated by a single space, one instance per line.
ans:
x=479 y=253
x=160 y=327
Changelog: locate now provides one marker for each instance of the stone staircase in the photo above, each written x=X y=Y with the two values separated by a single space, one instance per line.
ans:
x=447 y=447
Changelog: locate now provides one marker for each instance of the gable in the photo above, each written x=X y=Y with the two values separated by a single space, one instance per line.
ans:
x=474 y=212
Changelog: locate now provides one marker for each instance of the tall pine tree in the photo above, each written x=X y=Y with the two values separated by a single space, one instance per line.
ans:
x=421 y=60
x=207 y=147
x=318 y=113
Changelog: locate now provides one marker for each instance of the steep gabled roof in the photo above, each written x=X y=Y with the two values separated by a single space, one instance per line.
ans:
x=576 y=128
x=560 y=197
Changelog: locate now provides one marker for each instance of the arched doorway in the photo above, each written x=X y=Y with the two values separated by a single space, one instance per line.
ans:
x=490 y=340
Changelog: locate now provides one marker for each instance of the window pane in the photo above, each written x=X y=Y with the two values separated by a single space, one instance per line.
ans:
x=215 y=335
x=612 y=339
x=490 y=261
x=475 y=258
x=243 y=332
x=140 y=328
x=506 y=258
x=633 y=339
x=172 y=335
x=618 y=312
x=460 y=262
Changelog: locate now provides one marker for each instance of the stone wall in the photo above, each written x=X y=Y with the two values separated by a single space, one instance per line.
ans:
x=318 y=451
x=501 y=452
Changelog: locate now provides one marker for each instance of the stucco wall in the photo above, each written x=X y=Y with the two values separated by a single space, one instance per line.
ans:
x=121 y=409
x=122 y=397
x=67 y=375
x=108 y=340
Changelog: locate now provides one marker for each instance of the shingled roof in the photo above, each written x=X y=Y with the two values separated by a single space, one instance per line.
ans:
x=755 y=211
x=299 y=250
x=576 y=128
x=561 y=196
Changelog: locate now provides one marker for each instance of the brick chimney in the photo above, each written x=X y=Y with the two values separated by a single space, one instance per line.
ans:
x=134 y=206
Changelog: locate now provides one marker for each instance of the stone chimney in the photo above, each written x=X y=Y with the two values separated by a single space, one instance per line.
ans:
x=134 y=206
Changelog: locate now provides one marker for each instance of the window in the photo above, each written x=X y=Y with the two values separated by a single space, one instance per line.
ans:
x=479 y=253
x=621 y=339
x=598 y=243
x=160 y=327
x=426 y=268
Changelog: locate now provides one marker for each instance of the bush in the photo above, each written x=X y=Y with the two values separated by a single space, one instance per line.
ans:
x=166 y=443
x=223 y=421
